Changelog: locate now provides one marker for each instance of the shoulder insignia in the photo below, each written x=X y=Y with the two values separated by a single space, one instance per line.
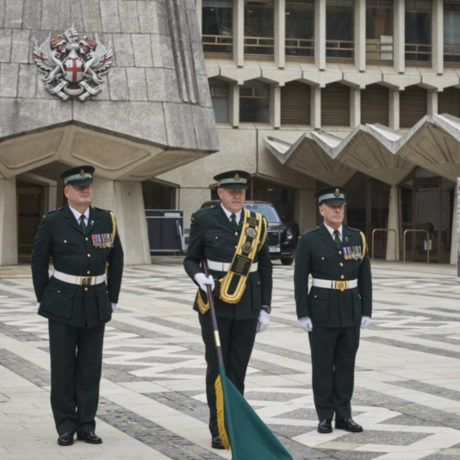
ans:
x=52 y=212
x=192 y=218
x=299 y=237
x=104 y=210
x=308 y=232
x=354 y=229
x=44 y=216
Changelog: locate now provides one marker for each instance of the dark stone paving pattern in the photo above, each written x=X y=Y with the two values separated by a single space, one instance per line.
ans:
x=380 y=437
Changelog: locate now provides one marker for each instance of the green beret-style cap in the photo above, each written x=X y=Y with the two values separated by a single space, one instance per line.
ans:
x=332 y=195
x=235 y=180
x=80 y=175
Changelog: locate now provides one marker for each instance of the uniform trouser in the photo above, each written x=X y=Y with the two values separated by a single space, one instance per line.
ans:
x=76 y=361
x=333 y=353
x=237 y=340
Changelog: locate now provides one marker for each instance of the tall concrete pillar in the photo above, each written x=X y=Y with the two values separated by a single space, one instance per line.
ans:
x=280 y=33
x=234 y=105
x=8 y=222
x=432 y=103
x=399 y=32
x=275 y=106
x=320 y=34
x=394 y=109
x=437 y=36
x=454 y=243
x=238 y=33
x=199 y=13
x=355 y=109
x=125 y=200
x=360 y=35
x=393 y=223
x=305 y=209
x=315 y=107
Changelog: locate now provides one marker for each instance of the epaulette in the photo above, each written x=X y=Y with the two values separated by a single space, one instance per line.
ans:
x=308 y=232
x=354 y=229
x=51 y=212
x=200 y=211
x=104 y=210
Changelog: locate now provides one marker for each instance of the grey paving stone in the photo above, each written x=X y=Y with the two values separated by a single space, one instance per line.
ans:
x=382 y=437
x=290 y=431
x=6 y=40
x=13 y=13
x=142 y=50
x=110 y=16
x=352 y=455
x=21 y=46
x=137 y=85
x=280 y=396
x=129 y=16
x=408 y=420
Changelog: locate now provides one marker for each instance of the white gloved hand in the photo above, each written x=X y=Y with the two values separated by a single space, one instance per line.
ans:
x=365 y=321
x=263 y=321
x=114 y=306
x=203 y=281
x=306 y=324
x=37 y=307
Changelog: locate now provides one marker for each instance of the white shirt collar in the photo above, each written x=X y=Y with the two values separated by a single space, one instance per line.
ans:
x=229 y=214
x=332 y=230
x=77 y=214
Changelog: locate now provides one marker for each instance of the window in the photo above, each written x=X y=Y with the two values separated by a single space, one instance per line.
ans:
x=259 y=28
x=379 y=31
x=255 y=102
x=300 y=29
x=217 y=28
x=451 y=32
x=449 y=102
x=413 y=105
x=375 y=103
x=339 y=29
x=418 y=30
x=295 y=104
x=335 y=105
x=219 y=96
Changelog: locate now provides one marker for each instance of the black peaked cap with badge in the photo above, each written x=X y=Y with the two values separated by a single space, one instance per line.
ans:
x=332 y=195
x=234 y=180
x=80 y=175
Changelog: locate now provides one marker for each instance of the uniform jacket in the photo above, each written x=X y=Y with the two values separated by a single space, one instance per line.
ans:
x=212 y=233
x=59 y=235
x=317 y=255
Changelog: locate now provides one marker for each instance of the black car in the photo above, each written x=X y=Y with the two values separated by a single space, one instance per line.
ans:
x=282 y=236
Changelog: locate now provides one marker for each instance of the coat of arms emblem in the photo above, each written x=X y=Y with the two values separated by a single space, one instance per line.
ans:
x=72 y=65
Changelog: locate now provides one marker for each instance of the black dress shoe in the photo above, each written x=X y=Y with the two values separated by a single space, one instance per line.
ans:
x=66 y=439
x=217 y=443
x=325 y=426
x=348 y=424
x=89 y=436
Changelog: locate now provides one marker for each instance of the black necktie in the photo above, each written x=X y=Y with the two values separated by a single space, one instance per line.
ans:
x=337 y=238
x=233 y=221
x=82 y=223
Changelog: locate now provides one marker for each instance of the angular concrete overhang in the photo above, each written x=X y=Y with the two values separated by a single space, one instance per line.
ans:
x=154 y=112
x=434 y=144
x=309 y=156
x=376 y=150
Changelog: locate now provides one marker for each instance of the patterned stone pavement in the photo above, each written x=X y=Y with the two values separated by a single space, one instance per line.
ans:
x=152 y=406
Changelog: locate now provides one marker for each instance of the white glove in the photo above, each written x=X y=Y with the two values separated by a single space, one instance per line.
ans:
x=306 y=324
x=37 y=307
x=365 y=321
x=204 y=281
x=263 y=321
x=114 y=306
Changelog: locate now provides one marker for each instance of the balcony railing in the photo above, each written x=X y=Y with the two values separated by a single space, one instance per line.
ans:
x=452 y=53
x=379 y=49
x=299 y=48
x=215 y=45
x=340 y=49
x=260 y=46
x=418 y=52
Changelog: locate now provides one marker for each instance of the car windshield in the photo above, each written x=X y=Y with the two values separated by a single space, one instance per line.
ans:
x=268 y=211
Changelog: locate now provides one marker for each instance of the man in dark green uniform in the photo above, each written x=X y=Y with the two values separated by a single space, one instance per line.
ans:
x=78 y=300
x=234 y=243
x=338 y=304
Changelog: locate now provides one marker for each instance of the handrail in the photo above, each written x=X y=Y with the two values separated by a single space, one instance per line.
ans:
x=427 y=242
x=384 y=230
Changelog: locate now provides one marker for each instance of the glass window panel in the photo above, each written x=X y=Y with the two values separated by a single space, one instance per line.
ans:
x=261 y=92
x=258 y=19
x=339 y=28
x=254 y=110
x=418 y=32
x=217 y=23
x=220 y=105
x=379 y=21
x=245 y=91
x=300 y=24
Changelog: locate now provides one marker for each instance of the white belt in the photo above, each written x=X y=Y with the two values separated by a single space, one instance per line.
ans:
x=82 y=280
x=225 y=267
x=331 y=284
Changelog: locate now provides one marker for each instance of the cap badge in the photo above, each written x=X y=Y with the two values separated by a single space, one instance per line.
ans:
x=337 y=192
x=237 y=177
x=82 y=172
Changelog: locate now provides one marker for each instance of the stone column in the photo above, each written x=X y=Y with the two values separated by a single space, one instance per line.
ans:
x=437 y=36
x=8 y=222
x=393 y=222
x=199 y=13
x=280 y=33
x=454 y=241
x=399 y=35
x=238 y=32
x=234 y=105
x=394 y=109
x=275 y=106
x=355 y=107
x=360 y=35
x=125 y=200
x=320 y=34
x=432 y=103
x=315 y=107
x=305 y=209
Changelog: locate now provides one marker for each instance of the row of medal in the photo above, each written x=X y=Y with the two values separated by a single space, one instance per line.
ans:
x=103 y=240
x=352 y=253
